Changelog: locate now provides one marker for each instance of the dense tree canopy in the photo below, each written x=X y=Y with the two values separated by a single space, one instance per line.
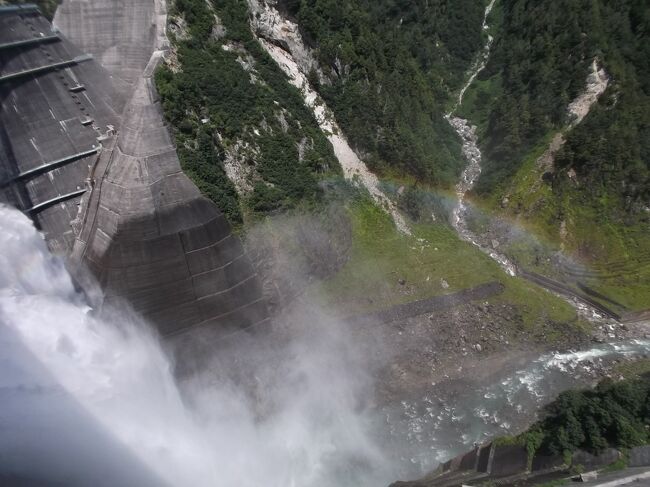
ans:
x=393 y=65
x=228 y=91
x=614 y=414
x=541 y=57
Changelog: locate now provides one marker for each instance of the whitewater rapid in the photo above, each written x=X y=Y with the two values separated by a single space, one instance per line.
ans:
x=443 y=424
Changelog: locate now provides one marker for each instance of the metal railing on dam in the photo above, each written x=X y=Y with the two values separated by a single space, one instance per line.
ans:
x=54 y=201
x=18 y=9
x=49 y=166
x=28 y=42
x=47 y=67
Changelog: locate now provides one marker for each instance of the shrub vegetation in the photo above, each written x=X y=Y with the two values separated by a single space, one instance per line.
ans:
x=541 y=57
x=614 y=414
x=229 y=93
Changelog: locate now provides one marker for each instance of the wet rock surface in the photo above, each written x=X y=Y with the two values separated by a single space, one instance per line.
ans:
x=468 y=178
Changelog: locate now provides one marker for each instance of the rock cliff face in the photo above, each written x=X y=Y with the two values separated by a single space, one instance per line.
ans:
x=596 y=84
x=142 y=228
x=269 y=24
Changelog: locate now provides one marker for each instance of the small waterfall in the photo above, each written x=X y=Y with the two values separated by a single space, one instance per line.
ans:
x=472 y=155
x=480 y=62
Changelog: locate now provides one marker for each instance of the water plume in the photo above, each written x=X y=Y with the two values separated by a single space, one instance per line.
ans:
x=106 y=393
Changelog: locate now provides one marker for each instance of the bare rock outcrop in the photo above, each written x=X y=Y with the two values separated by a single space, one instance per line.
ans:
x=269 y=24
x=596 y=84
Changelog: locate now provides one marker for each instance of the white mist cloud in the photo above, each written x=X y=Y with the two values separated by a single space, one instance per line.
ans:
x=107 y=410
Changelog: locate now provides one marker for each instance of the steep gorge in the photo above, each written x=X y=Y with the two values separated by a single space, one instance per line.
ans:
x=375 y=110
x=317 y=129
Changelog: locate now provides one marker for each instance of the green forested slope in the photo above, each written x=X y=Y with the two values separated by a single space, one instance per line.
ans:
x=392 y=66
x=540 y=59
x=215 y=103
x=591 y=200
x=613 y=414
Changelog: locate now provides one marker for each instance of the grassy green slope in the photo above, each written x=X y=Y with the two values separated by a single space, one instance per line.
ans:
x=381 y=257
x=597 y=216
x=606 y=249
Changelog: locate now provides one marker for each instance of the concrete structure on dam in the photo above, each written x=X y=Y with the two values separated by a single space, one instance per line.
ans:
x=120 y=34
x=85 y=151
x=56 y=107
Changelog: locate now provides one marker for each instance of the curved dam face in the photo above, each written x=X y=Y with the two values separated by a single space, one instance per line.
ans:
x=120 y=34
x=104 y=182
x=56 y=108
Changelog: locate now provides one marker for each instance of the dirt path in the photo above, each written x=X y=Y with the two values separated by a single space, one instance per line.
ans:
x=430 y=305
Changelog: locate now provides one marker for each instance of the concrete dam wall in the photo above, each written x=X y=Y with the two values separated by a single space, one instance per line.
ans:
x=55 y=105
x=120 y=34
x=85 y=151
